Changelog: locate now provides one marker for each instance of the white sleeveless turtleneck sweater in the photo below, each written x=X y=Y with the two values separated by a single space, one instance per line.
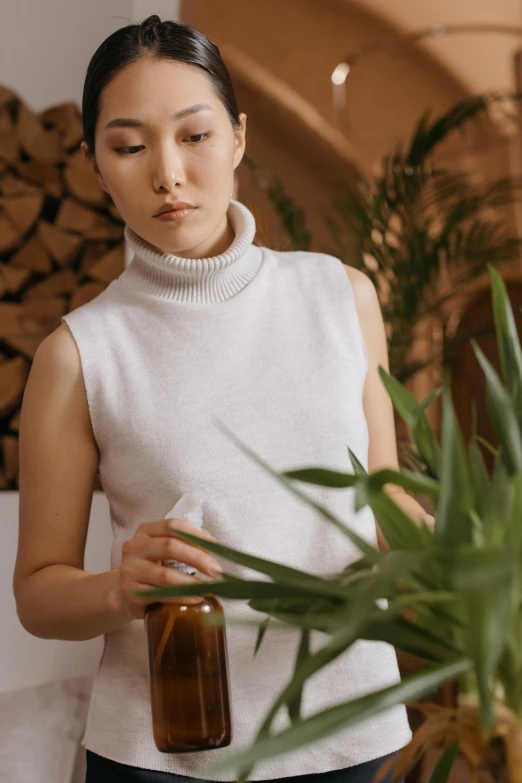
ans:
x=269 y=342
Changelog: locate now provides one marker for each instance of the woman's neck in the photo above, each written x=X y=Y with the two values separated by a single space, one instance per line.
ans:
x=198 y=280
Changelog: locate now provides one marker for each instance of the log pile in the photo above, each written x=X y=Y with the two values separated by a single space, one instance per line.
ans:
x=61 y=244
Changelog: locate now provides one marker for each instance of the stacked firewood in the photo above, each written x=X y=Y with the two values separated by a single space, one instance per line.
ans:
x=61 y=244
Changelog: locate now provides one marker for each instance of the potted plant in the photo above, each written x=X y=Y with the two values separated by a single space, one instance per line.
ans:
x=421 y=230
x=453 y=596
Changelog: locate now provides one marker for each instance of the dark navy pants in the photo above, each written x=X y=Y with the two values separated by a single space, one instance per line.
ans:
x=102 y=770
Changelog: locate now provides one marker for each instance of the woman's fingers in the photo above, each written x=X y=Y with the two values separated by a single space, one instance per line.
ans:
x=141 y=566
x=157 y=541
x=165 y=527
x=161 y=576
x=174 y=549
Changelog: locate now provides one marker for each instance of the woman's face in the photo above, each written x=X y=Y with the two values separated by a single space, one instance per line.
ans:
x=150 y=156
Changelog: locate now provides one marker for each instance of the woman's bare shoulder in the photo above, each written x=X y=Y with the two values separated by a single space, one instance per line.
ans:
x=58 y=352
x=363 y=288
x=56 y=377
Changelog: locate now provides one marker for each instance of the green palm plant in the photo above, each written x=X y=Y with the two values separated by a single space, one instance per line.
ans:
x=453 y=596
x=416 y=220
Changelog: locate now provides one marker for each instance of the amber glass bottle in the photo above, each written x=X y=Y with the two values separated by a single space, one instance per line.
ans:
x=189 y=676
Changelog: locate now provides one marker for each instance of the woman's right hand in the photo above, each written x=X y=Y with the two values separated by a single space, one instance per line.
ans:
x=141 y=564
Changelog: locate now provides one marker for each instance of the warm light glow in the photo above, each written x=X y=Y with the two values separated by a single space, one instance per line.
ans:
x=340 y=73
x=341 y=104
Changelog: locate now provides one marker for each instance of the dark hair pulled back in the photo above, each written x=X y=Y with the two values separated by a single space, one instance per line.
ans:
x=165 y=40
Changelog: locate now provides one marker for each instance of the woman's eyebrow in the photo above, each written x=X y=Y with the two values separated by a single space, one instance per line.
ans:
x=129 y=123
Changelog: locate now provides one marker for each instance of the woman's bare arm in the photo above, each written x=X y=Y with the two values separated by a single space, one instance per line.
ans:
x=378 y=407
x=56 y=598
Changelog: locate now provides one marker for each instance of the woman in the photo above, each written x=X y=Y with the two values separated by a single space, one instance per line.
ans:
x=283 y=346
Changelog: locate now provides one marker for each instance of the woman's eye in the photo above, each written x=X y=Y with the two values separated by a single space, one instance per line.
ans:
x=125 y=150
x=128 y=150
x=198 y=135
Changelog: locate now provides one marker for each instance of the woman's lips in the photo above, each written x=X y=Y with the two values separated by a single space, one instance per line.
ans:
x=176 y=214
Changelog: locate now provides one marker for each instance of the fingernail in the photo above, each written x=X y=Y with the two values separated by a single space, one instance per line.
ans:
x=215 y=569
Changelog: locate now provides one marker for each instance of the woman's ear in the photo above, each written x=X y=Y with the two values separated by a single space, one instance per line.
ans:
x=91 y=160
x=240 y=140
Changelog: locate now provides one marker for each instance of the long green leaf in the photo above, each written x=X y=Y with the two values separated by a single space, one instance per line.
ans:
x=502 y=414
x=494 y=511
x=262 y=629
x=411 y=639
x=479 y=477
x=488 y=612
x=409 y=600
x=290 y=577
x=487 y=445
x=344 y=715
x=412 y=413
x=336 y=646
x=445 y=763
x=264 y=566
x=507 y=340
x=245 y=588
x=513 y=539
x=468 y=567
x=453 y=519
x=407 y=479
x=484 y=577
x=398 y=528
x=303 y=653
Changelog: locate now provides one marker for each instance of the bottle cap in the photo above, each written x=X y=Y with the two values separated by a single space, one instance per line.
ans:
x=189 y=508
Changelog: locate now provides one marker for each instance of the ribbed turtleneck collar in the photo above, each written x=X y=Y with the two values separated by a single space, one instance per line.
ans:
x=197 y=280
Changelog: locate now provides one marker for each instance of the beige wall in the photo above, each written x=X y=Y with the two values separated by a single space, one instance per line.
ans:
x=480 y=61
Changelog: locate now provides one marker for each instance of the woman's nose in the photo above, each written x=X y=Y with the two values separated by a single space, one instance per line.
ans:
x=168 y=170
